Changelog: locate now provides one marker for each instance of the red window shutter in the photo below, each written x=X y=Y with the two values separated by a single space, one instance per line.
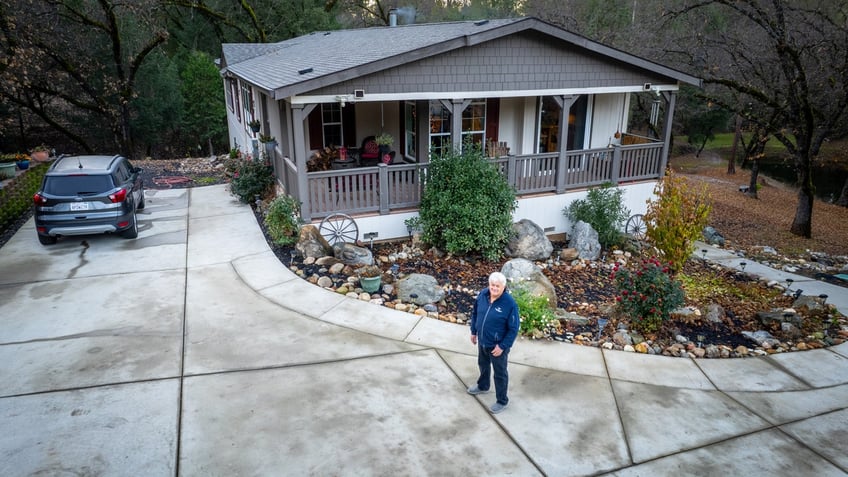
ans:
x=316 y=129
x=492 y=116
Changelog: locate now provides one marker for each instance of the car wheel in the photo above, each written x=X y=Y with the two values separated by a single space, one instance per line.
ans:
x=46 y=239
x=131 y=232
x=141 y=204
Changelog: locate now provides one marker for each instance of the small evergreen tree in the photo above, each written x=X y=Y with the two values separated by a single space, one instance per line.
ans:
x=604 y=210
x=467 y=204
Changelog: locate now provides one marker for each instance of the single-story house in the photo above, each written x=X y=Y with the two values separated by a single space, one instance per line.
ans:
x=551 y=109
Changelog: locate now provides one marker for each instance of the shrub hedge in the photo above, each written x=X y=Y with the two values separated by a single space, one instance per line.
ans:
x=16 y=195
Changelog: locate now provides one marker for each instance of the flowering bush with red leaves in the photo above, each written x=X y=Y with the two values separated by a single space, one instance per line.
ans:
x=648 y=294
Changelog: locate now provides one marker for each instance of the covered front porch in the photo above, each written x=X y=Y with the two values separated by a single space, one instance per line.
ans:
x=386 y=189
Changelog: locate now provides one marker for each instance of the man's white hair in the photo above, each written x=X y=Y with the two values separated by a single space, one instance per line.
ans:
x=497 y=277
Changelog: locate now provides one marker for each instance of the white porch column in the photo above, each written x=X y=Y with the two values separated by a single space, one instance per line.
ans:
x=564 y=103
x=457 y=107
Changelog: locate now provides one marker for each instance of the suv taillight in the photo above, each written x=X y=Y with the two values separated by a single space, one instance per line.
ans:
x=118 y=196
x=38 y=199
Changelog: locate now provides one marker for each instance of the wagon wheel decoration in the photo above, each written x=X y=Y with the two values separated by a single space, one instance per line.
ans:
x=339 y=228
x=636 y=227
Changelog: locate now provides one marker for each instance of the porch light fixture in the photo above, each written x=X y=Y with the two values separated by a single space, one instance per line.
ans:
x=343 y=99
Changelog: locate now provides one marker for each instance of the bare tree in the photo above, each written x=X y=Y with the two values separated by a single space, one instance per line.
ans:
x=65 y=59
x=781 y=65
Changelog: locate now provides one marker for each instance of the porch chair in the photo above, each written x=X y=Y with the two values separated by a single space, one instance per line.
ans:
x=369 y=153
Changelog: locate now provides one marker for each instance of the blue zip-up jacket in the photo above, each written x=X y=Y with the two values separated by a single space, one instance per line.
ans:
x=496 y=323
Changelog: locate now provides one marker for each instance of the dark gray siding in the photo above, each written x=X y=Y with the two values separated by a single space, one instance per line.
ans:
x=525 y=61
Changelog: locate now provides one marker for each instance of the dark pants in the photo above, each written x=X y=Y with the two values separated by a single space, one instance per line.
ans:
x=487 y=362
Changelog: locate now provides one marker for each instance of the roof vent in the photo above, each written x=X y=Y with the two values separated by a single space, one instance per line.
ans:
x=304 y=71
x=481 y=22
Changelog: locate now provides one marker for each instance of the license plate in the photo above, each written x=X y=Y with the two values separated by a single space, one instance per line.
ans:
x=79 y=206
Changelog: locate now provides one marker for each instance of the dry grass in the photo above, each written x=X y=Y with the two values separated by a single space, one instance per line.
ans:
x=747 y=222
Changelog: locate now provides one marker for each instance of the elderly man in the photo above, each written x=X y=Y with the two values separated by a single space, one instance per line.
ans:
x=494 y=326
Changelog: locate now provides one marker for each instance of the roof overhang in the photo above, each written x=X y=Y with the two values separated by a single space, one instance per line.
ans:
x=425 y=96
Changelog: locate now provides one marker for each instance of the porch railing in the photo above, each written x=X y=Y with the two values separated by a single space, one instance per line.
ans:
x=382 y=189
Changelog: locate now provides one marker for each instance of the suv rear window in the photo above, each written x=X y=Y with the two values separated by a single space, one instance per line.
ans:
x=78 y=184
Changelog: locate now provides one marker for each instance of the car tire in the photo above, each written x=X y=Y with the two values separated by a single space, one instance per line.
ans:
x=131 y=232
x=46 y=239
x=141 y=204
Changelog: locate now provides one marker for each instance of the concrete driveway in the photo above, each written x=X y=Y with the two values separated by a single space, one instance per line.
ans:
x=192 y=351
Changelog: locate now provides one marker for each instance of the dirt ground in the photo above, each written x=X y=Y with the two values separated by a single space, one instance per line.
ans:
x=749 y=223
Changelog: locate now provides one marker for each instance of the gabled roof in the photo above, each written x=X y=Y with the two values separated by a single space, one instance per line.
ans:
x=319 y=59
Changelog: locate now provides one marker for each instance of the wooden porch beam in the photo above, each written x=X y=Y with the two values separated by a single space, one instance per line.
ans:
x=564 y=103
x=671 y=100
x=299 y=114
x=422 y=134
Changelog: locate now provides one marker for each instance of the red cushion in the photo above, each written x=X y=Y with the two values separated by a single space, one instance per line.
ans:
x=371 y=149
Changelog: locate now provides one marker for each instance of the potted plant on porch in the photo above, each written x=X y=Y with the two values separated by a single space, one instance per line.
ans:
x=384 y=142
x=254 y=125
x=270 y=143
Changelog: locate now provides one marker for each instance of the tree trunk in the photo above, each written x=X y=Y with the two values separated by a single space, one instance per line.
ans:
x=752 y=184
x=843 y=196
x=731 y=164
x=803 y=223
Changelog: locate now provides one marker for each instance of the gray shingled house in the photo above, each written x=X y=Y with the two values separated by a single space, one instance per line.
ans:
x=551 y=109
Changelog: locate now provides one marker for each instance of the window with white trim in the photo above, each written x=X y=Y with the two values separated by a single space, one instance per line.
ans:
x=331 y=120
x=410 y=129
x=440 y=129
x=247 y=103
x=474 y=122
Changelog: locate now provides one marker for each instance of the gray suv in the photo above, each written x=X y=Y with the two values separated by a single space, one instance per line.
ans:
x=83 y=195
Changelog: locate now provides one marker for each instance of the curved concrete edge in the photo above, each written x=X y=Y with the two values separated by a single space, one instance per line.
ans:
x=261 y=270
x=785 y=372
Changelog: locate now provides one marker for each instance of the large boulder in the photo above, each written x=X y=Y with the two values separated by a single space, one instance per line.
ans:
x=585 y=239
x=712 y=237
x=351 y=254
x=524 y=274
x=528 y=241
x=311 y=243
x=420 y=289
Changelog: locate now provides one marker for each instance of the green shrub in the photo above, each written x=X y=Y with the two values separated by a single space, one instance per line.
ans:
x=603 y=209
x=467 y=205
x=251 y=178
x=283 y=220
x=535 y=312
x=647 y=294
x=676 y=219
x=16 y=195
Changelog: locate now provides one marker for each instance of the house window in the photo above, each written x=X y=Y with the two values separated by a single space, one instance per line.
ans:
x=410 y=130
x=229 y=93
x=247 y=103
x=331 y=119
x=473 y=125
x=549 y=124
x=440 y=129
x=474 y=122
